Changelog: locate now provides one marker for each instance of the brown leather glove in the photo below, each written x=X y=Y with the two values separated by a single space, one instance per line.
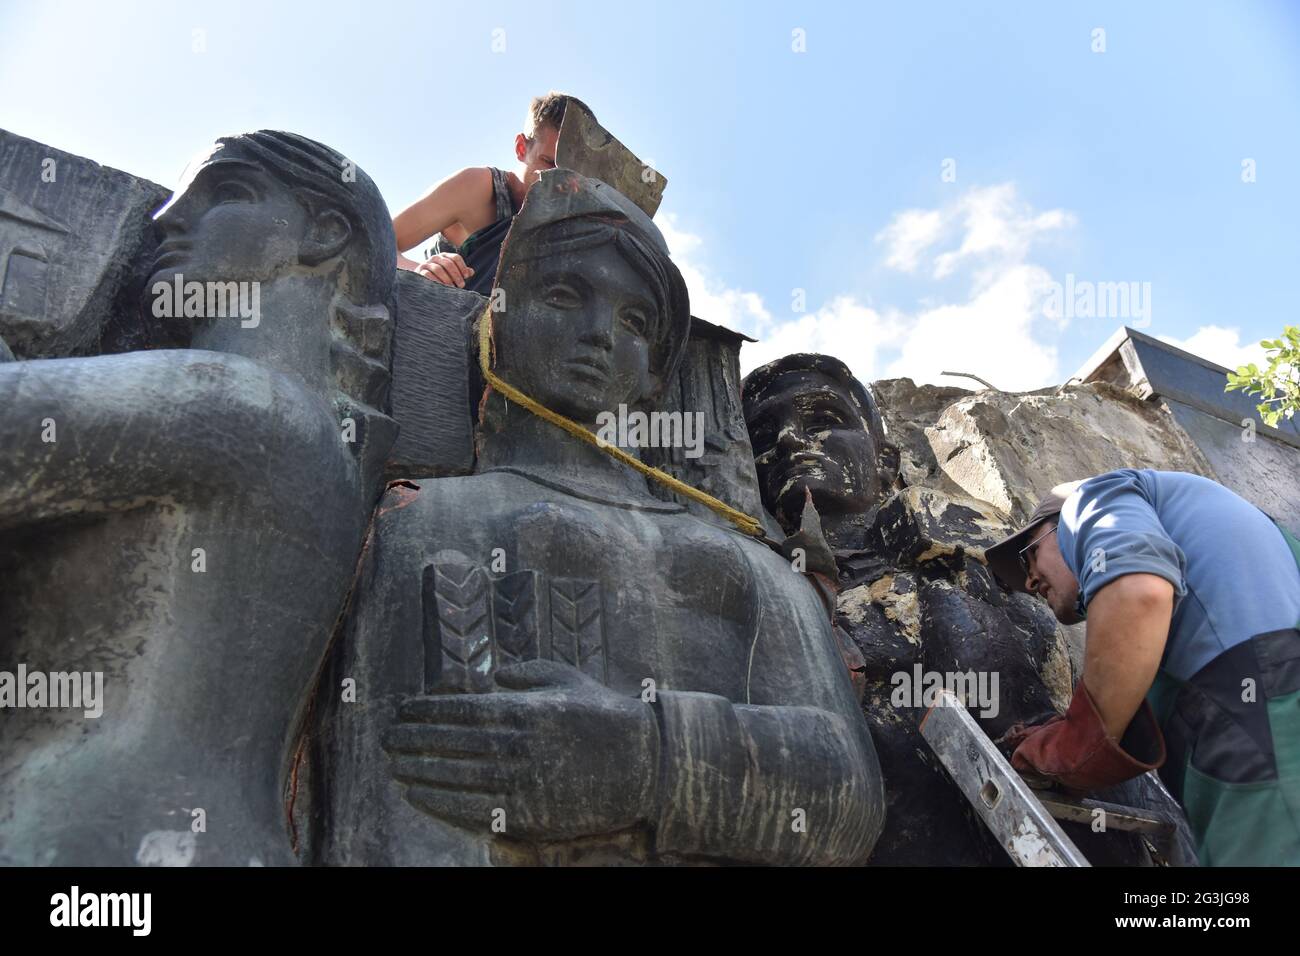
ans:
x=1018 y=733
x=1076 y=753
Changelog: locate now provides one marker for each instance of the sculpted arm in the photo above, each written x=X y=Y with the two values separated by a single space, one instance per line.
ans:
x=790 y=777
x=103 y=434
x=708 y=777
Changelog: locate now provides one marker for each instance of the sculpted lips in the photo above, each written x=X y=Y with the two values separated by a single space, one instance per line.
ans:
x=801 y=467
x=589 y=366
x=170 y=253
x=804 y=463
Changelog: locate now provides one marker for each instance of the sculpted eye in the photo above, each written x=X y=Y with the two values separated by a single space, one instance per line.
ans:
x=763 y=436
x=231 y=191
x=561 y=296
x=824 y=418
x=635 y=319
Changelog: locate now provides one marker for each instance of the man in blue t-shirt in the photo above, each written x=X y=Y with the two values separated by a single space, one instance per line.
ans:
x=1192 y=601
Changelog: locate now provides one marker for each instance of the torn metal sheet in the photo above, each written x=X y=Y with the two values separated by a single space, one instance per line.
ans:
x=588 y=148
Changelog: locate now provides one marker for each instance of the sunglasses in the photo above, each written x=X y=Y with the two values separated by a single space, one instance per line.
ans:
x=1027 y=552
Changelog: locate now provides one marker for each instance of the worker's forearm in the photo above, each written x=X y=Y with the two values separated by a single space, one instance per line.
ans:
x=1128 y=624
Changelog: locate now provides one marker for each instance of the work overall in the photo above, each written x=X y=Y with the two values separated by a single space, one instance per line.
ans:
x=1232 y=734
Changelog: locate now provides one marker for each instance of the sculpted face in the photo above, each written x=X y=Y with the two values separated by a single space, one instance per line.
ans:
x=808 y=433
x=229 y=221
x=575 y=332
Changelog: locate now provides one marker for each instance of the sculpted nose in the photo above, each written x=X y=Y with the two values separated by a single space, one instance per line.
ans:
x=599 y=330
x=174 y=218
x=790 y=438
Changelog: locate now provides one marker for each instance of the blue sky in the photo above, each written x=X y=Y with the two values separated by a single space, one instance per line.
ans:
x=820 y=171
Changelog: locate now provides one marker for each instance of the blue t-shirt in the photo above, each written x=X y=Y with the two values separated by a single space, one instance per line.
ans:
x=1234 y=575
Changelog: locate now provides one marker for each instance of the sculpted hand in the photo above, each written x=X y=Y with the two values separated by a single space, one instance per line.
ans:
x=447 y=268
x=561 y=754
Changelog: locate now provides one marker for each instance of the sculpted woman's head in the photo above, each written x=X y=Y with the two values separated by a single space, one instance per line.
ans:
x=595 y=313
x=312 y=231
x=256 y=204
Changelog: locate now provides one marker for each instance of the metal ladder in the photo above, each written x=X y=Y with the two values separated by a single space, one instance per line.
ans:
x=1023 y=821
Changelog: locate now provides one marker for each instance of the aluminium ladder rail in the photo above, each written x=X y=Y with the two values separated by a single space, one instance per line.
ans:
x=1022 y=825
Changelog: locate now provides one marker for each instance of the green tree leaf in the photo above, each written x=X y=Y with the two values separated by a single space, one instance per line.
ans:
x=1279 y=384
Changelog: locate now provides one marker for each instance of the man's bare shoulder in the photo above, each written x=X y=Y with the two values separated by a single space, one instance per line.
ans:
x=472 y=181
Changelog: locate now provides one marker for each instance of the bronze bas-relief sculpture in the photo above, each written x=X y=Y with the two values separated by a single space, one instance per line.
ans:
x=566 y=668
x=550 y=663
x=192 y=527
x=815 y=428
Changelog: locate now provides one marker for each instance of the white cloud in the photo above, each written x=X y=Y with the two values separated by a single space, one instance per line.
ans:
x=1220 y=345
x=995 y=224
x=711 y=300
x=909 y=235
x=985 y=235
x=844 y=328
x=990 y=336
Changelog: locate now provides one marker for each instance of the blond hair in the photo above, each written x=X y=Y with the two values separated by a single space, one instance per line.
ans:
x=548 y=110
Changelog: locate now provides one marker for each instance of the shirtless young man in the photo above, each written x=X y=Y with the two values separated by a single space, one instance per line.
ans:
x=469 y=212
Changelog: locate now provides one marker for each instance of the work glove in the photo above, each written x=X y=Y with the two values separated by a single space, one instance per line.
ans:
x=1017 y=733
x=1075 y=752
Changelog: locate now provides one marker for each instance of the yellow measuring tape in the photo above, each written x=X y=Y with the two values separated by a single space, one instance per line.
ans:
x=744 y=522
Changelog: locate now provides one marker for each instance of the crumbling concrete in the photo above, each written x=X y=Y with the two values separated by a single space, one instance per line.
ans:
x=908 y=409
x=1137 y=410
x=1010 y=450
x=1006 y=450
